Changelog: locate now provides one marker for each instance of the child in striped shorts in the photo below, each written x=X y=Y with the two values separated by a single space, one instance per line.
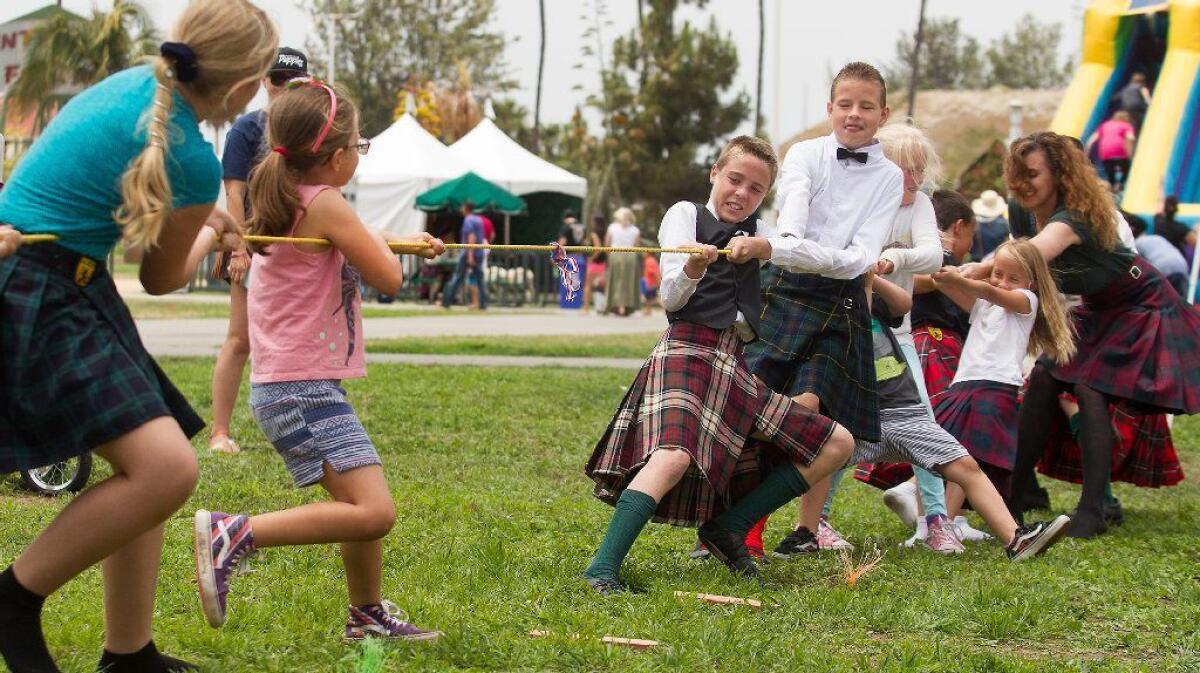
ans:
x=910 y=434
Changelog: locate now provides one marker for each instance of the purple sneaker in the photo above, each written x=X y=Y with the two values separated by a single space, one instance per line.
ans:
x=382 y=620
x=223 y=542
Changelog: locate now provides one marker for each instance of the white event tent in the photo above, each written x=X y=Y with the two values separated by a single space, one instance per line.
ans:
x=404 y=162
x=497 y=158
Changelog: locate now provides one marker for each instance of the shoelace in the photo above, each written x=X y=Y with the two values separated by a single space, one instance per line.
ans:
x=393 y=613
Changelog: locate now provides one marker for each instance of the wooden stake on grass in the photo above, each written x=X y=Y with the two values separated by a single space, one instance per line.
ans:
x=632 y=643
x=713 y=599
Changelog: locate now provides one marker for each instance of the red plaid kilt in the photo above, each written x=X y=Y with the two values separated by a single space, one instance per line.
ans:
x=694 y=393
x=983 y=416
x=883 y=475
x=1144 y=455
x=1138 y=341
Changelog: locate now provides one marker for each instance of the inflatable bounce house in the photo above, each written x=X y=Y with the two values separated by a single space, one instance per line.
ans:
x=1160 y=40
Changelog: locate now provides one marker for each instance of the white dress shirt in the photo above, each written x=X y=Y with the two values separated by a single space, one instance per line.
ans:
x=914 y=246
x=834 y=214
x=678 y=230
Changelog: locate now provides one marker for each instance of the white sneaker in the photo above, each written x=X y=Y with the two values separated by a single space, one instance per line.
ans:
x=902 y=500
x=919 y=535
x=966 y=533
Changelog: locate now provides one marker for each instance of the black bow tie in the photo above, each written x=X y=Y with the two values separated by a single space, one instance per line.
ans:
x=843 y=153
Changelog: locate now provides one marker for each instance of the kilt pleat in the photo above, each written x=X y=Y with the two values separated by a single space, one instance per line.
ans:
x=982 y=415
x=815 y=337
x=1144 y=454
x=73 y=371
x=1138 y=341
x=695 y=394
x=940 y=350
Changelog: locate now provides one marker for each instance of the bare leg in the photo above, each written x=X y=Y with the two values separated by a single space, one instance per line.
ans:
x=366 y=515
x=955 y=496
x=227 y=374
x=984 y=497
x=810 y=504
x=130 y=580
x=661 y=473
x=154 y=471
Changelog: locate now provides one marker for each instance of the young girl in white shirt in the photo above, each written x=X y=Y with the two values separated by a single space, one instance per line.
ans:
x=1016 y=311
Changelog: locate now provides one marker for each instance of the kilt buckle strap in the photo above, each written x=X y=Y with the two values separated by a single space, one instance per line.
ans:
x=1135 y=271
x=85 y=270
x=848 y=303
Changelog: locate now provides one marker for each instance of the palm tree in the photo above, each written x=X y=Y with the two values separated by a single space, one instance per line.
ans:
x=67 y=53
x=537 y=100
x=762 y=23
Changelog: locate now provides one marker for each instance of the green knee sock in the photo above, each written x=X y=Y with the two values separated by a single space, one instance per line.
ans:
x=778 y=489
x=633 y=510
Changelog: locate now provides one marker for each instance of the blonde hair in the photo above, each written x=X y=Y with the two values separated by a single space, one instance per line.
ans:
x=755 y=147
x=234 y=43
x=1121 y=115
x=1086 y=197
x=294 y=122
x=906 y=145
x=624 y=216
x=1053 y=332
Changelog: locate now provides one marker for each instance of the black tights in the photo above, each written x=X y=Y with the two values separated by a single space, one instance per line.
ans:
x=1096 y=441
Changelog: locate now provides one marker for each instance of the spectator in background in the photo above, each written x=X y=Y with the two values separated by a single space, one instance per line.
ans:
x=1160 y=253
x=471 y=262
x=1134 y=98
x=1116 y=138
x=651 y=277
x=992 y=227
x=624 y=268
x=597 y=264
x=1178 y=233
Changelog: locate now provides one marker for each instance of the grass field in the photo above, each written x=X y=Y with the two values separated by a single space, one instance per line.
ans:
x=496 y=522
x=143 y=309
x=596 y=346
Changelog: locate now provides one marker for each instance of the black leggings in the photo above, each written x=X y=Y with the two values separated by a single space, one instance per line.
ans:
x=1111 y=166
x=1096 y=440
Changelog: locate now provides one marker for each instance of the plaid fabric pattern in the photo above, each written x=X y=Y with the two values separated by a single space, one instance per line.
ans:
x=982 y=415
x=815 y=337
x=883 y=475
x=73 y=371
x=939 y=349
x=1138 y=341
x=1144 y=455
x=694 y=393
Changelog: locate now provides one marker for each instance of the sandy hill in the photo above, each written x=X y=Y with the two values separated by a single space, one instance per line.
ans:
x=963 y=124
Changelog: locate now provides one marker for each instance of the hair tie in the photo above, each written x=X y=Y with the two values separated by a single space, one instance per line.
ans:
x=281 y=151
x=183 y=59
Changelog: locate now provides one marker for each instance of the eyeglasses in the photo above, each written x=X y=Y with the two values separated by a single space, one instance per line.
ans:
x=280 y=78
x=363 y=146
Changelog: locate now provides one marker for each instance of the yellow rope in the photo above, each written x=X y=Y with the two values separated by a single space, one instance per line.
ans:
x=414 y=247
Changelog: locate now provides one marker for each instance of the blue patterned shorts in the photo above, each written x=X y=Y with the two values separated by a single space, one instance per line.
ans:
x=310 y=423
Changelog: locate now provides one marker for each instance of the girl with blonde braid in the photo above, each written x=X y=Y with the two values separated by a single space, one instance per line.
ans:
x=124 y=159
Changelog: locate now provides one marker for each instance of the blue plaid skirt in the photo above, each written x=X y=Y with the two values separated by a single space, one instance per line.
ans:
x=815 y=337
x=74 y=374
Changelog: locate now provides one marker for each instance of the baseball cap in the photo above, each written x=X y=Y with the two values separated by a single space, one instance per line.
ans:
x=290 y=60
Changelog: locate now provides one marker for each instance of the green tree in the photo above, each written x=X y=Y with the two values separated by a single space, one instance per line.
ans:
x=67 y=53
x=1028 y=58
x=948 y=60
x=390 y=42
x=662 y=132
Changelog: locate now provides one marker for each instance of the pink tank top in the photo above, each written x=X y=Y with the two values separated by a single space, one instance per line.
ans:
x=304 y=312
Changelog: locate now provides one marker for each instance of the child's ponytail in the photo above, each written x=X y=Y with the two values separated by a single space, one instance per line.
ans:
x=145 y=190
x=1053 y=332
x=274 y=198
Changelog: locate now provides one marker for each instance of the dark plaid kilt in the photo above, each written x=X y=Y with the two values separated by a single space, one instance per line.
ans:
x=982 y=415
x=815 y=337
x=1138 y=341
x=694 y=393
x=939 y=349
x=73 y=372
x=1144 y=454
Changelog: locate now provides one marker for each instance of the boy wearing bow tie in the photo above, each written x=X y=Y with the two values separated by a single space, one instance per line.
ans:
x=838 y=196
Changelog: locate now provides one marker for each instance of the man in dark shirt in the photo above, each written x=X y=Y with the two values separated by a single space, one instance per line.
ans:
x=1178 y=233
x=1134 y=98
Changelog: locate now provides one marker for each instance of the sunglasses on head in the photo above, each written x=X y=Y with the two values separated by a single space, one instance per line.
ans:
x=280 y=78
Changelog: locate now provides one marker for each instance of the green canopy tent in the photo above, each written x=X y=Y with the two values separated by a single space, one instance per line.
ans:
x=484 y=195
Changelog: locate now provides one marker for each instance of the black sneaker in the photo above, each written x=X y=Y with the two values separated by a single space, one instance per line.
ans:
x=1114 y=515
x=606 y=587
x=1029 y=541
x=728 y=548
x=798 y=543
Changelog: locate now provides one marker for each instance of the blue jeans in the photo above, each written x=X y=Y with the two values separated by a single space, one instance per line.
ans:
x=930 y=485
x=460 y=274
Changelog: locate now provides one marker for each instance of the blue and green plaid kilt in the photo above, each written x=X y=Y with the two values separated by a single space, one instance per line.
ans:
x=74 y=374
x=695 y=394
x=815 y=337
x=1139 y=341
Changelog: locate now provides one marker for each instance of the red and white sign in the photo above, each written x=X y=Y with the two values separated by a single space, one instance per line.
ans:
x=14 y=37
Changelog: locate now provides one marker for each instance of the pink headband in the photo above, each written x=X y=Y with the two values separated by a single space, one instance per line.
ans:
x=301 y=81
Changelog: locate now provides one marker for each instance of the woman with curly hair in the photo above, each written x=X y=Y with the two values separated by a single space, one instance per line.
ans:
x=1137 y=339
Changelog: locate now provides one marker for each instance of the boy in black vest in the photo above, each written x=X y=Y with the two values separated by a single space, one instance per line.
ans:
x=675 y=450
